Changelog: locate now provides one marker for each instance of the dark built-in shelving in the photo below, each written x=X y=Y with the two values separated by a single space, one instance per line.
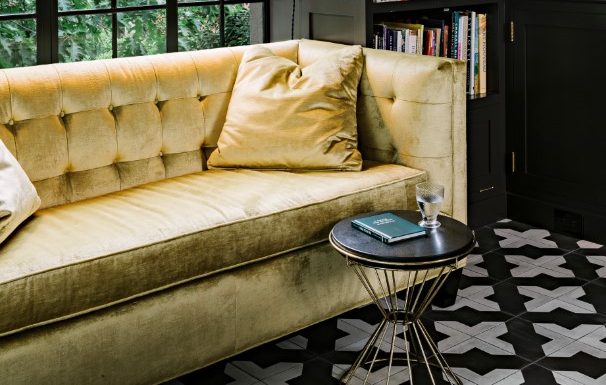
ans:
x=485 y=112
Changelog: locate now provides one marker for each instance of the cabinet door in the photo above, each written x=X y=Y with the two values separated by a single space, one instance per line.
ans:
x=556 y=123
x=485 y=169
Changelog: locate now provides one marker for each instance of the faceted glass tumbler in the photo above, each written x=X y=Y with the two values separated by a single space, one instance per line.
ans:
x=429 y=199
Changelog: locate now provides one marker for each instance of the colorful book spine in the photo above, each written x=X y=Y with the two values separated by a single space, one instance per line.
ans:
x=471 y=56
x=463 y=22
x=476 y=56
x=454 y=46
x=482 y=48
x=445 y=41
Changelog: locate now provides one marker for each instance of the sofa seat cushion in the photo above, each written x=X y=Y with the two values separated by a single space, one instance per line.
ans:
x=73 y=259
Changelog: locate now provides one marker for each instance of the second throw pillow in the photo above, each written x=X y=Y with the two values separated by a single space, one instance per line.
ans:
x=282 y=116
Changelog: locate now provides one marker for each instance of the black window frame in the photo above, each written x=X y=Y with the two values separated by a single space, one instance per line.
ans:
x=47 y=22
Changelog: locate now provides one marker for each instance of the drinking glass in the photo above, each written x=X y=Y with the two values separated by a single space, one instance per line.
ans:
x=429 y=198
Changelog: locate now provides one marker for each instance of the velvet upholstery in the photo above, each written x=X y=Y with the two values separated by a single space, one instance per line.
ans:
x=102 y=251
x=18 y=197
x=282 y=117
x=81 y=130
x=155 y=338
x=411 y=110
x=144 y=264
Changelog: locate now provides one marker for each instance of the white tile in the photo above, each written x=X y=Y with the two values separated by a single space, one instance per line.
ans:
x=557 y=339
x=476 y=343
x=577 y=347
x=256 y=371
x=588 y=245
x=240 y=376
x=490 y=378
x=563 y=377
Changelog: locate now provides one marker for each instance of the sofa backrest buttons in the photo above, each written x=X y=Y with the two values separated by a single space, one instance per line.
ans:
x=111 y=108
x=11 y=122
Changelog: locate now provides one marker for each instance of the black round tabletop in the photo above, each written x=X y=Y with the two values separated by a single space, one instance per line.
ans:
x=442 y=245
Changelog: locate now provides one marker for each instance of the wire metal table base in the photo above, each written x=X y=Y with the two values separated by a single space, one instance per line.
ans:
x=401 y=314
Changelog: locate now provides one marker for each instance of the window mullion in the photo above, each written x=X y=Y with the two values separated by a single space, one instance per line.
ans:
x=172 y=27
x=47 y=31
x=266 y=21
x=222 y=22
x=114 y=5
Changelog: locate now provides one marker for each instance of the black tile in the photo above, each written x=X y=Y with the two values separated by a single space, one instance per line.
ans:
x=581 y=266
x=316 y=372
x=537 y=375
x=486 y=240
x=585 y=365
x=524 y=339
x=546 y=282
x=468 y=316
x=482 y=363
x=596 y=296
x=600 y=282
x=216 y=375
x=507 y=295
x=369 y=313
x=532 y=252
x=467 y=281
x=496 y=266
x=565 y=242
x=270 y=353
x=321 y=337
x=510 y=224
x=565 y=318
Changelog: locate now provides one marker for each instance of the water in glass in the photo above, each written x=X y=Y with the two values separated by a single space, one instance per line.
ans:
x=429 y=198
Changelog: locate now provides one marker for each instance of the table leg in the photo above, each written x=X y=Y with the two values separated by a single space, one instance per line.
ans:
x=419 y=348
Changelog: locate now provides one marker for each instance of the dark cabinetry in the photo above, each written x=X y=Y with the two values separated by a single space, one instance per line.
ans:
x=556 y=128
x=485 y=160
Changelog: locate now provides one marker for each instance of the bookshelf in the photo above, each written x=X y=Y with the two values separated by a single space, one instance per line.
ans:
x=485 y=111
x=436 y=32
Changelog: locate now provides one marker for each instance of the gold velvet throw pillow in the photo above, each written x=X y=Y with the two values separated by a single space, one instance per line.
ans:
x=282 y=116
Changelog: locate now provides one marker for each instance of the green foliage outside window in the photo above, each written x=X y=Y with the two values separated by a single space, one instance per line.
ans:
x=88 y=37
x=8 y=7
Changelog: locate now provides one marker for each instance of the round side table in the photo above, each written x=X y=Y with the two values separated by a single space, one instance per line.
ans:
x=382 y=268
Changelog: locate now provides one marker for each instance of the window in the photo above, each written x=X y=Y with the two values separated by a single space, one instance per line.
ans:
x=45 y=31
x=18 y=34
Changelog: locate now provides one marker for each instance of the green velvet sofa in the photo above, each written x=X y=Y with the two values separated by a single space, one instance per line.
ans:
x=142 y=264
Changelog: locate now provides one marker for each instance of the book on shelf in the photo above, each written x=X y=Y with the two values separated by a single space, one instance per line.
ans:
x=458 y=34
x=471 y=49
x=482 y=53
x=399 y=37
x=388 y=227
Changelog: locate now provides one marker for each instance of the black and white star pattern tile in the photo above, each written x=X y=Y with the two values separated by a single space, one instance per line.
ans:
x=530 y=310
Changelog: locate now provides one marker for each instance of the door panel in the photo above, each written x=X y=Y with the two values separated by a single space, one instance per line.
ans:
x=556 y=110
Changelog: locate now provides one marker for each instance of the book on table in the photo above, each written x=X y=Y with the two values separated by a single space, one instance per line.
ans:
x=388 y=227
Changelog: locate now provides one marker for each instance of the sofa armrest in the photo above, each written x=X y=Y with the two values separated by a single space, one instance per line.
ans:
x=411 y=110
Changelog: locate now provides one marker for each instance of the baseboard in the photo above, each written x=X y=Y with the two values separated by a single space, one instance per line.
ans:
x=563 y=219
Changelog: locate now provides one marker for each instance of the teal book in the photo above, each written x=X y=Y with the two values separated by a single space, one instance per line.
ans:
x=388 y=227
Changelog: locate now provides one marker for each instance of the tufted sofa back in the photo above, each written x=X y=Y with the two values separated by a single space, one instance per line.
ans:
x=411 y=110
x=85 y=129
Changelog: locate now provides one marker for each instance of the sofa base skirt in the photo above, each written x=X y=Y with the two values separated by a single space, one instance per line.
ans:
x=167 y=334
